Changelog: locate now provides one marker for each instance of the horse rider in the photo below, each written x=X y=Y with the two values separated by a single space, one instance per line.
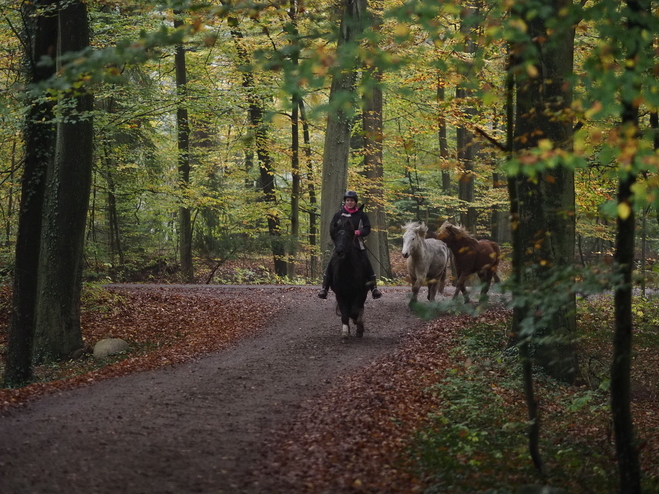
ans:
x=362 y=226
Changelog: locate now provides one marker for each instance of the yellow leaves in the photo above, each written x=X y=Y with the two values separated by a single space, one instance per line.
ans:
x=401 y=30
x=624 y=210
x=532 y=71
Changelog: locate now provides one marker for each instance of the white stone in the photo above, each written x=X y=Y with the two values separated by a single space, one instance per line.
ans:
x=109 y=346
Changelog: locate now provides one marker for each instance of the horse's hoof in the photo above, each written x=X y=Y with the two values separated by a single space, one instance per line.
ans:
x=359 y=333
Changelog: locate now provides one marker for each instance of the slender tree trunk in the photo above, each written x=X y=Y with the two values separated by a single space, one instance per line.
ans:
x=183 y=141
x=39 y=136
x=519 y=309
x=339 y=121
x=256 y=113
x=58 y=332
x=547 y=219
x=311 y=188
x=623 y=425
x=295 y=150
x=373 y=166
x=467 y=147
x=443 y=141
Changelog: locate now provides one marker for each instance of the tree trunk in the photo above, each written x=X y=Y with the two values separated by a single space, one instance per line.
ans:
x=58 y=332
x=339 y=121
x=378 y=244
x=377 y=240
x=466 y=145
x=313 y=200
x=183 y=142
x=519 y=308
x=256 y=114
x=295 y=151
x=547 y=219
x=623 y=425
x=39 y=136
x=443 y=142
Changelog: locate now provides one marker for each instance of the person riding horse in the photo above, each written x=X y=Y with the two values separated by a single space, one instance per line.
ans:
x=362 y=226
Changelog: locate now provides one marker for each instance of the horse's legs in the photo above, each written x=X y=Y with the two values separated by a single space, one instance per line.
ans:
x=432 y=290
x=442 y=281
x=460 y=286
x=345 y=332
x=344 y=307
x=360 y=323
x=416 y=286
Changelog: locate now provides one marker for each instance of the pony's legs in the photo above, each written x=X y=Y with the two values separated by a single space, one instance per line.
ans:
x=360 y=323
x=345 y=332
x=460 y=286
x=416 y=286
x=442 y=282
x=432 y=290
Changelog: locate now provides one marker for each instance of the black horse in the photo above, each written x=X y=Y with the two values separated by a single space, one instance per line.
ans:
x=349 y=277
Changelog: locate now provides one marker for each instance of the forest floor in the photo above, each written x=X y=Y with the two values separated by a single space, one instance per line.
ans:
x=254 y=367
x=247 y=389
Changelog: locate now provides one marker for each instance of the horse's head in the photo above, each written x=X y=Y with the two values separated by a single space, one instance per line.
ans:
x=448 y=231
x=344 y=237
x=414 y=231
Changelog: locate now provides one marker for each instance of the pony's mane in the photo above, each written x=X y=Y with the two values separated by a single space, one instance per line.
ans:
x=416 y=226
x=458 y=232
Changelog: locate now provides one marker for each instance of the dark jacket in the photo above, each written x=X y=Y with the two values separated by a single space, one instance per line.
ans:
x=359 y=220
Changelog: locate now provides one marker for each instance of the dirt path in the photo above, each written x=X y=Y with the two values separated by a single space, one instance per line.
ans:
x=199 y=427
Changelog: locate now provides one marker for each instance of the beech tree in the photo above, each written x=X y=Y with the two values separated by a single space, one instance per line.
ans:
x=546 y=198
x=39 y=136
x=58 y=332
x=340 y=117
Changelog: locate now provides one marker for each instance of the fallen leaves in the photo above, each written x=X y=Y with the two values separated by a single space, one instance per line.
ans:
x=164 y=326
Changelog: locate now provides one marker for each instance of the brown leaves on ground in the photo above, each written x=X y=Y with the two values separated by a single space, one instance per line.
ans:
x=163 y=327
x=354 y=439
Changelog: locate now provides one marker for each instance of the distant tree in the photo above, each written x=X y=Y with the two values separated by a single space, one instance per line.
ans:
x=261 y=141
x=183 y=141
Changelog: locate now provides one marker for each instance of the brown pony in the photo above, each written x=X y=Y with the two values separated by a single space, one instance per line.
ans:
x=470 y=256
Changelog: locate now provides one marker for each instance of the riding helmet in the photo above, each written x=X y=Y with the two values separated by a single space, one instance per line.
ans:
x=350 y=194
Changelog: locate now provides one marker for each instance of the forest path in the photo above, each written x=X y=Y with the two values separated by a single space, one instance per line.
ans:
x=199 y=427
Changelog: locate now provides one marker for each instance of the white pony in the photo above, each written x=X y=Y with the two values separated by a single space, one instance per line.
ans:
x=427 y=259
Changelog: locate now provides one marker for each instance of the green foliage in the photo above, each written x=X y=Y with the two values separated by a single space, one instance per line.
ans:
x=98 y=299
x=477 y=439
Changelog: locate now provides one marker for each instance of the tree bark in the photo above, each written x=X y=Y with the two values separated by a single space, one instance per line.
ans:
x=466 y=146
x=378 y=244
x=623 y=424
x=339 y=121
x=58 y=332
x=256 y=113
x=39 y=136
x=443 y=142
x=313 y=200
x=547 y=219
x=295 y=150
x=519 y=309
x=183 y=142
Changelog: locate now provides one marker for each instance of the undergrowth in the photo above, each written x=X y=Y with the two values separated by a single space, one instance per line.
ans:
x=477 y=438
